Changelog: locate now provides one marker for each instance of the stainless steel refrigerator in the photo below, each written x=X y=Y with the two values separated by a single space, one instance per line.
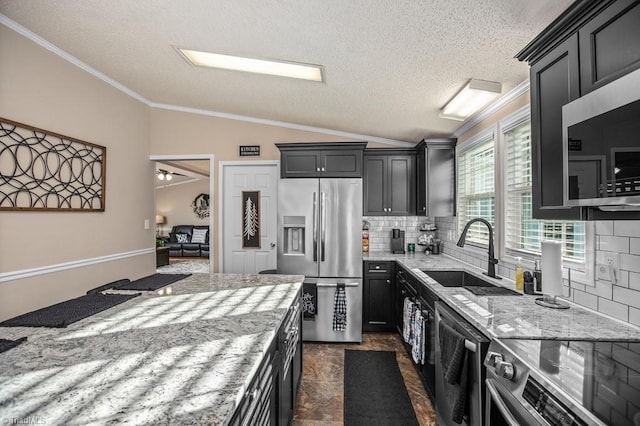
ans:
x=320 y=236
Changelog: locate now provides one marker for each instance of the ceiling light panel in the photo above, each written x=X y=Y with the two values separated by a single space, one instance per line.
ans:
x=259 y=66
x=473 y=96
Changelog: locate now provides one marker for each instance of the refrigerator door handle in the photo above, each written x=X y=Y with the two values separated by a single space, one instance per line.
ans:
x=315 y=227
x=323 y=219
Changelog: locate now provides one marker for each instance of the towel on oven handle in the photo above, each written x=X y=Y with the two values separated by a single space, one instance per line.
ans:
x=340 y=309
x=309 y=301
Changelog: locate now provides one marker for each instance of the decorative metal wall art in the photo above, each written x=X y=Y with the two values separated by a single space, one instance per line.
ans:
x=250 y=219
x=200 y=206
x=42 y=170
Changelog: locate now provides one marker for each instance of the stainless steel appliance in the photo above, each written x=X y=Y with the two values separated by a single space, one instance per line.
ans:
x=600 y=146
x=476 y=346
x=552 y=382
x=320 y=236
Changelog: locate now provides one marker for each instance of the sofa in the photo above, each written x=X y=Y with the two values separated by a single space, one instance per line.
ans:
x=181 y=244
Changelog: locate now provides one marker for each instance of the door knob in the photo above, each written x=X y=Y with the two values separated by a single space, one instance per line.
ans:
x=273 y=245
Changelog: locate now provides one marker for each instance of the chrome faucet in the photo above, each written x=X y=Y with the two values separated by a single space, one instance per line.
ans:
x=491 y=267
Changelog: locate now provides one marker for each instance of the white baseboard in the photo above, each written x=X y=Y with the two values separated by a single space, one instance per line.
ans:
x=32 y=272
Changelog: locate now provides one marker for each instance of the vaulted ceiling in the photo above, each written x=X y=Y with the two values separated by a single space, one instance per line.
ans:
x=389 y=65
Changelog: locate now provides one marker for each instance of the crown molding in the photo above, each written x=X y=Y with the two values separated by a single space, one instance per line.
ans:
x=294 y=126
x=493 y=108
x=75 y=61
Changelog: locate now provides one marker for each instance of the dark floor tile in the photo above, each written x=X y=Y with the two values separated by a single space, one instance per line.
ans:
x=321 y=397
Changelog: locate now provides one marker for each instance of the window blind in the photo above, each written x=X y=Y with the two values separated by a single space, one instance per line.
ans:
x=523 y=233
x=476 y=190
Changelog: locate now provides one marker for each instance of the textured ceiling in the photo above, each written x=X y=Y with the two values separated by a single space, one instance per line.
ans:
x=389 y=65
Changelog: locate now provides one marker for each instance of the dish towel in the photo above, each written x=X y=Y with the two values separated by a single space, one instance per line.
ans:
x=407 y=312
x=418 y=340
x=340 y=310
x=454 y=361
x=309 y=301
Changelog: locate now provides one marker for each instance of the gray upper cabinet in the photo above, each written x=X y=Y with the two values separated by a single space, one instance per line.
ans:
x=609 y=45
x=389 y=182
x=555 y=81
x=435 y=184
x=591 y=44
x=309 y=160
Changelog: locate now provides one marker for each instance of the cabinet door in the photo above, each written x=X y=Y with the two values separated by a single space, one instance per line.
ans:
x=555 y=81
x=610 y=45
x=441 y=181
x=401 y=185
x=341 y=163
x=378 y=305
x=421 y=182
x=300 y=164
x=374 y=184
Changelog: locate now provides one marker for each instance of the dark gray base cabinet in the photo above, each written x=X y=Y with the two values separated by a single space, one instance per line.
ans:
x=389 y=182
x=593 y=43
x=377 y=308
x=310 y=160
x=270 y=398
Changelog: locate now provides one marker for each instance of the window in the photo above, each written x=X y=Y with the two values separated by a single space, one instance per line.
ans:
x=523 y=234
x=476 y=186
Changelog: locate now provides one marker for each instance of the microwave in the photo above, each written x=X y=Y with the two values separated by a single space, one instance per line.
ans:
x=601 y=146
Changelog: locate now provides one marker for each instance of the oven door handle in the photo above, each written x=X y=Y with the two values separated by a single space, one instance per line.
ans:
x=494 y=395
x=353 y=284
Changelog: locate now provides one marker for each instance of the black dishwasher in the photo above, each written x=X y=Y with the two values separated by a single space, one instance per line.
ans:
x=474 y=350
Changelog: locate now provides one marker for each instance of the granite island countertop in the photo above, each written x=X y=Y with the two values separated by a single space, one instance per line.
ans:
x=511 y=317
x=184 y=354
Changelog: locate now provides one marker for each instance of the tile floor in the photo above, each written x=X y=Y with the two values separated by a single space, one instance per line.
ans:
x=320 y=399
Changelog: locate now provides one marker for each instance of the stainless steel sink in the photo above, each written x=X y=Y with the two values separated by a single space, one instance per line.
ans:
x=470 y=282
x=457 y=279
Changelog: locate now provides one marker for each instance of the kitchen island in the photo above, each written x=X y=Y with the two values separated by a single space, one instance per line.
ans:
x=185 y=354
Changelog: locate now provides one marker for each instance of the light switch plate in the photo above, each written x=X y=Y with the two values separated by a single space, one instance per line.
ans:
x=146 y=224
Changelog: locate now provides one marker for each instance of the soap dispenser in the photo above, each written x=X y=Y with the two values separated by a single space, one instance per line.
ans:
x=519 y=274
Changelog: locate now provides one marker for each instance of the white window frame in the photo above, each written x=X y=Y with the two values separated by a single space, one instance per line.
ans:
x=478 y=139
x=582 y=272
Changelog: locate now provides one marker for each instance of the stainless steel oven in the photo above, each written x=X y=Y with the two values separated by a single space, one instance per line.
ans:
x=552 y=382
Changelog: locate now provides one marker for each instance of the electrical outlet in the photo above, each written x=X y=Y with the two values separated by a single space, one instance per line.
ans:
x=612 y=259
x=612 y=262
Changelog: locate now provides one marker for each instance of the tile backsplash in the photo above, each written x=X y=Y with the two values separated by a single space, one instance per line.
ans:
x=619 y=300
x=381 y=226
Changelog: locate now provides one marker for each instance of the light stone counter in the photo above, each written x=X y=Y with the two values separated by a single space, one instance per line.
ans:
x=512 y=317
x=184 y=354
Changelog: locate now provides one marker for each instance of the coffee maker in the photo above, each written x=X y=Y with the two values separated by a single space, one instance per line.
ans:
x=397 y=241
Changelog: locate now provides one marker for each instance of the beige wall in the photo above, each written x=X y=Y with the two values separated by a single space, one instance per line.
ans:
x=174 y=202
x=45 y=91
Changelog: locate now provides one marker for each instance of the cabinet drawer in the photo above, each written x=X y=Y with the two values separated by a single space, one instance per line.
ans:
x=371 y=267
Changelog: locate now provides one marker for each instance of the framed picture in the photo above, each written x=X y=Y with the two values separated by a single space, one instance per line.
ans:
x=251 y=219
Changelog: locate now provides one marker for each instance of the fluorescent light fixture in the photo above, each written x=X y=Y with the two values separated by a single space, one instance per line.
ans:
x=473 y=96
x=260 y=66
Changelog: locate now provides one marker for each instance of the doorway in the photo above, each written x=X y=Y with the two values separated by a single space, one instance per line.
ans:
x=185 y=170
x=239 y=180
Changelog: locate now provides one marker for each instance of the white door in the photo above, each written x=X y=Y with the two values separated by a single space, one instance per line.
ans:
x=237 y=178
